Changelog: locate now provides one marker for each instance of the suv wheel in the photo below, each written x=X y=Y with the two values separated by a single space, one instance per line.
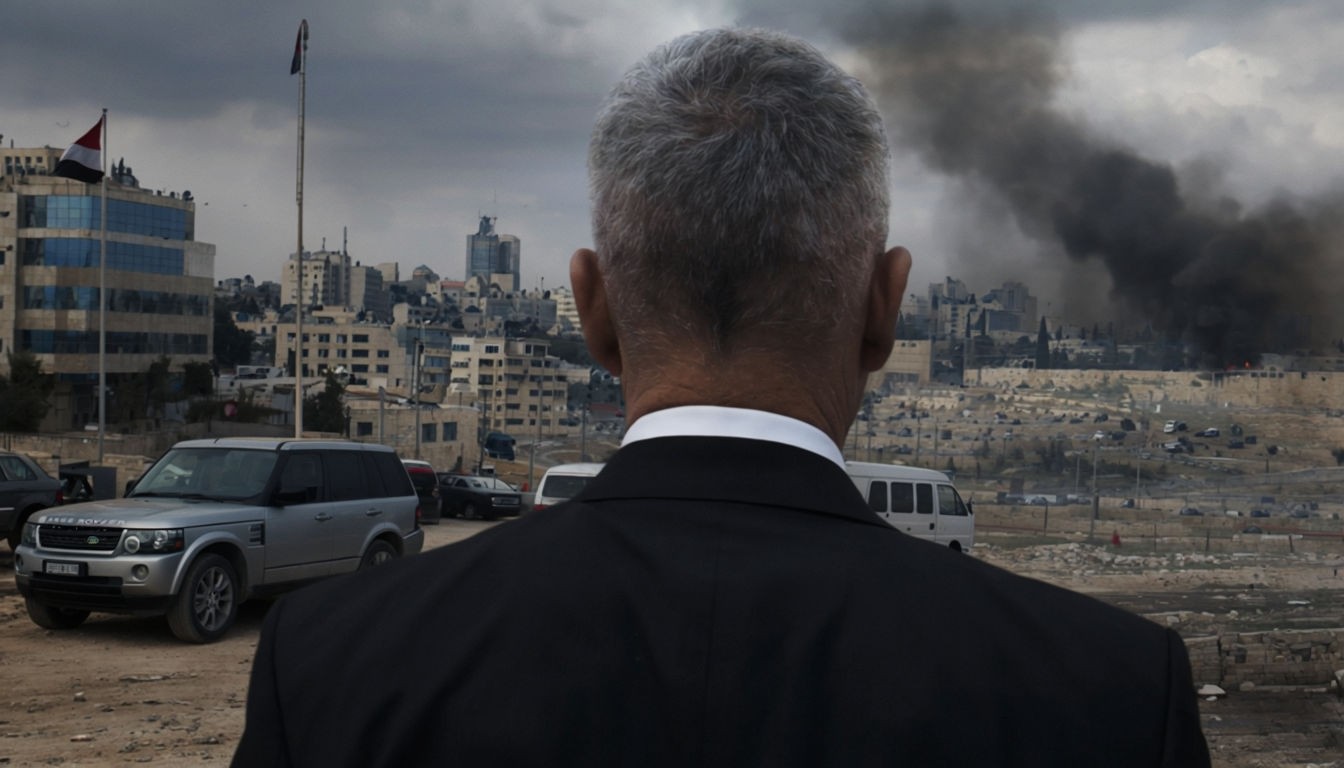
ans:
x=51 y=617
x=205 y=607
x=469 y=511
x=378 y=553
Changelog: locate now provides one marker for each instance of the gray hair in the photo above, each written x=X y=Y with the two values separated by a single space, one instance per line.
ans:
x=739 y=184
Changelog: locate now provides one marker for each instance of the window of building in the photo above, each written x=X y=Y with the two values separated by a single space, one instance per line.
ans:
x=361 y=338
x=363 y=428
x=359 y=353
x=449 y=431
x=380 y=369
x=383 y=354
x=491 y=349
x=427 y=432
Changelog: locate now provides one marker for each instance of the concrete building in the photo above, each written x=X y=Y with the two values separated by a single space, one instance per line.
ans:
x=494 y=257
x=326 y=279
x=566 y=311
x=1010 y=307
x=367 y=293
x=517 y=384
x=159 y=279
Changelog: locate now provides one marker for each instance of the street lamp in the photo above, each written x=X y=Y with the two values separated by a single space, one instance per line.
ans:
x=415 y=401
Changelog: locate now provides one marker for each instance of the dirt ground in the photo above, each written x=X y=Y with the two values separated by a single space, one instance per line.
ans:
x=122 y=690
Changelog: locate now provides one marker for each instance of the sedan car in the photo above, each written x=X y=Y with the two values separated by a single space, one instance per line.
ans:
x=24 y=489
x=478 y=497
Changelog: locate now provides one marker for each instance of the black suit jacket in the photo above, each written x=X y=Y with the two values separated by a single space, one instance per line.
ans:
x=711 y=602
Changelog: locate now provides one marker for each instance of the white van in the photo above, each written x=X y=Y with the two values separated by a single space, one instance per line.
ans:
x=920 y=502
x=562 y=482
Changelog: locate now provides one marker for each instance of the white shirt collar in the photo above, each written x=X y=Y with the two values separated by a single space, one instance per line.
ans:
x=718 y=421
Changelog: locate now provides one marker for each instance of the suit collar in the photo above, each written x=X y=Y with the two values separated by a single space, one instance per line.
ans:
x=729 y=469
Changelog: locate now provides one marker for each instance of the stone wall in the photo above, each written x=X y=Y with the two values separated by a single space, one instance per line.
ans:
x=1305 y=657
x=1260 y=389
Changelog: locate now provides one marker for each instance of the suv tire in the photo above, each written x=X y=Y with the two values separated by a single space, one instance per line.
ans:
x=51 y=617
x=378 y=553
x=207 y=603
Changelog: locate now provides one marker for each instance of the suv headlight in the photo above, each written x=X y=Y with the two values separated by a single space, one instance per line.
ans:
x=29 y=536
x=156 y=542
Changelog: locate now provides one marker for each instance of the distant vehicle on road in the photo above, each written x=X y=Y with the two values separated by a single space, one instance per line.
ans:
x=499 y=446
x=1174 y=426
x=920 y=502
x=1191 y=512
x=1208 y=432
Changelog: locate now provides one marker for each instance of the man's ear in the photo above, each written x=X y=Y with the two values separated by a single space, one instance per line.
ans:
x=590 y=297
x=884 y=307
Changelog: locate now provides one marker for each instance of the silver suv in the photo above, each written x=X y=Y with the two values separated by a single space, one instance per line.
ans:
x=214 y=522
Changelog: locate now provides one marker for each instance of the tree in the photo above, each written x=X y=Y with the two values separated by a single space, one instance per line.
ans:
x=233 y=346
x=158 y=385
x=198 y=379
x=1042 y=347
x=24 y=394
x=325 y=411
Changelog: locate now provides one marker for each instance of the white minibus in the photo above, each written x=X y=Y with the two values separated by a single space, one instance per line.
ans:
x=920 y=502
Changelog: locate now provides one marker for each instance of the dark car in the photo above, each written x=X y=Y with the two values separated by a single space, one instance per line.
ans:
x=24 y=489
x=478 y=497
x=1259 y=513
x=499 y=446
x=1191 y=512
x=426 y=482
x=1252 y=529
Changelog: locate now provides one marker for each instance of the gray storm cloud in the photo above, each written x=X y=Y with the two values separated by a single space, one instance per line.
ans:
x=974 y=97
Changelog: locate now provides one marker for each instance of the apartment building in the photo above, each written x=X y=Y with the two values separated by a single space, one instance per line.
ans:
x=159 y=279
x=516 y=383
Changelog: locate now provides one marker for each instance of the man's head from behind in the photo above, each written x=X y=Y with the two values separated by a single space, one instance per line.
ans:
x=739 y=184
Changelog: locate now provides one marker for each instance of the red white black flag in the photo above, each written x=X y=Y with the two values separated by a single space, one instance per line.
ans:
x=300 y=43
x=83 y=160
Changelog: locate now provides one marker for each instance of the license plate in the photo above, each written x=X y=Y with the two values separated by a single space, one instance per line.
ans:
x=63 y=569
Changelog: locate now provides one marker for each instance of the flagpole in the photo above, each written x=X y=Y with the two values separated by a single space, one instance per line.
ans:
x=102 y=300
x=298 y=336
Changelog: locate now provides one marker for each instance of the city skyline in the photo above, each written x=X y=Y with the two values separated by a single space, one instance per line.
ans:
x=423 y=118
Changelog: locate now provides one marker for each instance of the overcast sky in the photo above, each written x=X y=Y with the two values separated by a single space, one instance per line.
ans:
x=424 y=114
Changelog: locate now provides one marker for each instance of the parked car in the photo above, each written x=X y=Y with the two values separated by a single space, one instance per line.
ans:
x=562 y=482
x=1191 y=512
x=24 y=489
x=426 y=482
x=1174 y=426
x=1208 y=432
x=478 y=497
x=213 y=523
x=1236 y=444
x=499 y=446
x=1252 y=529
x=1259 y=513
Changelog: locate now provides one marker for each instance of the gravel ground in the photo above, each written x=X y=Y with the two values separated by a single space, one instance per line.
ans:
x=123 y=690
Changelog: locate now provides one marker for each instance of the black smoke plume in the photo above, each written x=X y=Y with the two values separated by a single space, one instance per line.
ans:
x=974 y=99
